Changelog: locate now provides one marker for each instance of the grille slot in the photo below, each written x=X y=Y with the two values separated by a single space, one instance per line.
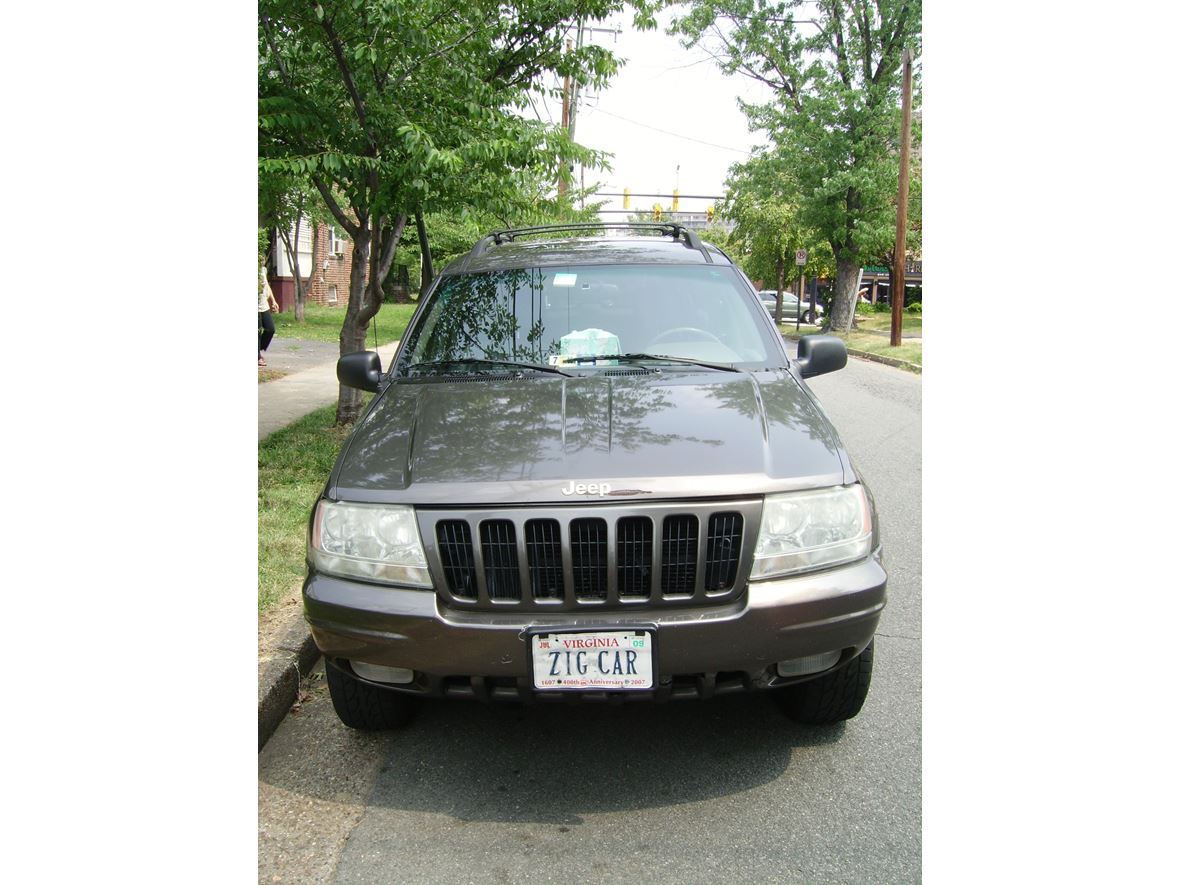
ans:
x=574 y=557
x=721 y=551
x=588 y=556
x=678 y=569
x=634 y=557
x=542 y=539
x=458 y=561
x=501 y=568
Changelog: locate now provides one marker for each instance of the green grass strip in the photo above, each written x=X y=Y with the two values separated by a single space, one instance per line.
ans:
x=293 y=465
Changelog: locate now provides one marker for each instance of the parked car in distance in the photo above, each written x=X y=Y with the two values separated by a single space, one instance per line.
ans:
x=790 y=306
x=594 y=472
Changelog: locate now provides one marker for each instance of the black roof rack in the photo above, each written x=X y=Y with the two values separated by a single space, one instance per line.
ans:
x=668 y=229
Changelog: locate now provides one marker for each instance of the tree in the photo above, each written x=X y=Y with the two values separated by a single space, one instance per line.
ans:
x=288 y=206
x=762 y=201
x=388 y=109
x=834 y=71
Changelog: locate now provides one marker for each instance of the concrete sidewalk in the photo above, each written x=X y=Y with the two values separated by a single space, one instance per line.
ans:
x=288 y=399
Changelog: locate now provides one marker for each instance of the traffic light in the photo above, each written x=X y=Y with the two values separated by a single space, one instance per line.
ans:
x=626 y=198
x=676 y=200
x=709 y=214
x=656 y=212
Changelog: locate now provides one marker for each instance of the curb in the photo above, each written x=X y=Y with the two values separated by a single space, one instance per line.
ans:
x=875 y=358
x=278 y=678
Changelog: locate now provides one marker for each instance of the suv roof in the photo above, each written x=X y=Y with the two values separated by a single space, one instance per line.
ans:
x=500 y=251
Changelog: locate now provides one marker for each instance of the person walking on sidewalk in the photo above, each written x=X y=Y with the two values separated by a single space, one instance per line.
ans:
x=266 y=322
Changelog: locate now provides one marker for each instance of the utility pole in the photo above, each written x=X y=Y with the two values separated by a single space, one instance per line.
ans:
x=571 y=96
x=565 y=122
x=574 y=122
x=575 y=90
x=903 y=200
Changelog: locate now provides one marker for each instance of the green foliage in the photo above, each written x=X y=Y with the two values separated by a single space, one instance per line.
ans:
x=292 y=464
x=451 y=234
x=865 y=309
x=283 y=197
x=834 y=117
x=391 y=106
x=762 y=200
x=719 y=236
x=916 y=307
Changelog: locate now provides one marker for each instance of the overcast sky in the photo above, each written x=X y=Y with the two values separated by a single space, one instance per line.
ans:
x=663 y=86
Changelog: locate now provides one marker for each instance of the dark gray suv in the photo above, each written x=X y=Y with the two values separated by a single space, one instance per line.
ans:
x=593 y=472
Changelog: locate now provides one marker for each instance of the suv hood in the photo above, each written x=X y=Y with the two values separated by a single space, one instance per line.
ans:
x=676 y=434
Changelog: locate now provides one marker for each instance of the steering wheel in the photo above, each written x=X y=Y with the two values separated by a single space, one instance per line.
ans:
x=694 y=334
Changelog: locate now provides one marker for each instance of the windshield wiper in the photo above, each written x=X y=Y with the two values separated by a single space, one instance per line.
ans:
x=474 y=361
x=637 y=357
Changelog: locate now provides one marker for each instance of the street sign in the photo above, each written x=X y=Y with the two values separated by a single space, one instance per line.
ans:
x=800 y=257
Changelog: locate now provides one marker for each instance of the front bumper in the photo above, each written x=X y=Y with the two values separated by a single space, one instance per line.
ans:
x=699 y=651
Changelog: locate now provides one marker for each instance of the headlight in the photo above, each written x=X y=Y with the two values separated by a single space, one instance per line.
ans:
x=804 y=531
x=372 y=541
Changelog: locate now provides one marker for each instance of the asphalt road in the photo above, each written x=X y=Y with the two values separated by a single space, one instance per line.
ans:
x=724 y=790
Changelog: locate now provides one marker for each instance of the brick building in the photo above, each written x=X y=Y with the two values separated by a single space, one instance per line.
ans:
x=328 y=281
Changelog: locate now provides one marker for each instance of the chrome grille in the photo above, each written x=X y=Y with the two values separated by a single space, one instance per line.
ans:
x=577 y=557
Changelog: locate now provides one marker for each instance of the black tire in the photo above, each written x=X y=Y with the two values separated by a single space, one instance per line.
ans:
x=366 y=707
x=835 y=697
x=807 y=317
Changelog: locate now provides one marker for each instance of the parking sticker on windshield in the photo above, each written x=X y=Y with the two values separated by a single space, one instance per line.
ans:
x=565 y=279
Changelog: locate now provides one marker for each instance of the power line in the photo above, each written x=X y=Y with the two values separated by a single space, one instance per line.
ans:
x=673 y=134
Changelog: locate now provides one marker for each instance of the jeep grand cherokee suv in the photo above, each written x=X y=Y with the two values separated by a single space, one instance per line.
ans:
x=593 y=472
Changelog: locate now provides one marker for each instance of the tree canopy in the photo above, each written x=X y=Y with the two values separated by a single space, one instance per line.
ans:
x=762 y=201
x=833 y=68
x=389 y=108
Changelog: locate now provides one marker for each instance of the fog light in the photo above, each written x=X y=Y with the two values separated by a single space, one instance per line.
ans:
x=809 y=664
x=377 y=673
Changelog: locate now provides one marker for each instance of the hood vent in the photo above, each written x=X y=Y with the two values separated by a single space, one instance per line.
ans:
x=468 y=379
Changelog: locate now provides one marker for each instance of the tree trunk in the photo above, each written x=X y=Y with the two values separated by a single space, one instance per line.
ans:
x=778 y=301
x=844 y=294
x=353 y=330
x=374 y=254
x=292 y=250
x=427 y=258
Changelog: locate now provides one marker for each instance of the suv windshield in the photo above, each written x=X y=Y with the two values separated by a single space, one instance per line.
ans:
x=555 y=315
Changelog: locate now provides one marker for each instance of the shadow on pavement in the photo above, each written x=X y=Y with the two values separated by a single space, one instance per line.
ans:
x=553 y=764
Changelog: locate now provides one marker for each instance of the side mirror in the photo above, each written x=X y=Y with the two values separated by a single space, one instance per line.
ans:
x=820 y=354
x=361 y=370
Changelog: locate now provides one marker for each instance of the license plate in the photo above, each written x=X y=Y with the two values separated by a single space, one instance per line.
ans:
x=605 y=661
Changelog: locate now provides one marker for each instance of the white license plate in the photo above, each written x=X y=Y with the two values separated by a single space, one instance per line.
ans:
x=607 y=661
